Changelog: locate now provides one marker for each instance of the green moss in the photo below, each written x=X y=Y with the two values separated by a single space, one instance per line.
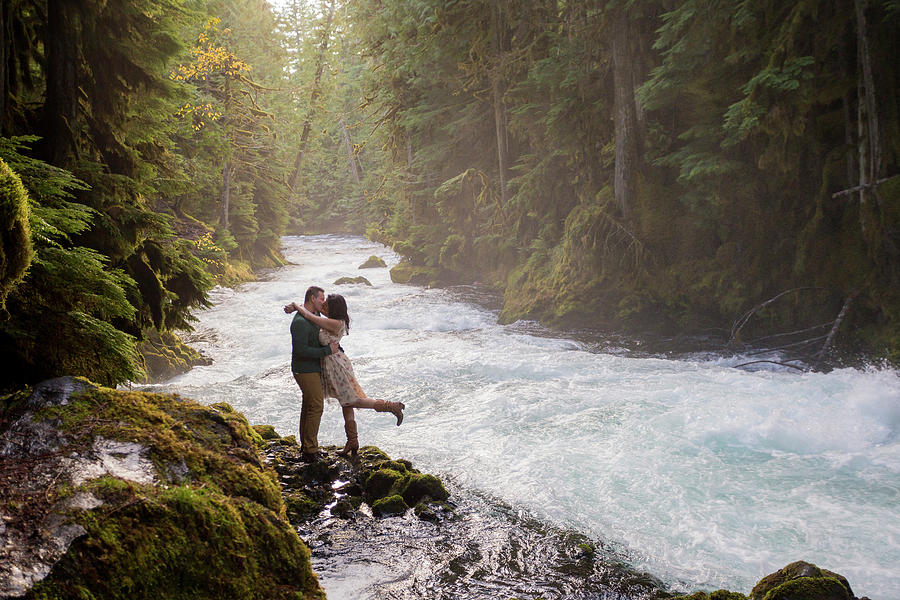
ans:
x=801 y=576
x=299 y=506
x=266 y=432
x=382 y=483
x=406 y=272
x=401 y=466
x=214 y=528
x=390 y=505
x=164 y=355
x=352 y=280
x=15 y=232
x=373 y=262
x=420 y=485
x=184 y=543
x=810 y=588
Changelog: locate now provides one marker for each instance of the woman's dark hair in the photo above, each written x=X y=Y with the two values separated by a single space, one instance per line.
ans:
x=337 y=309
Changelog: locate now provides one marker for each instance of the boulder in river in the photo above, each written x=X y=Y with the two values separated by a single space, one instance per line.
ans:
x=352 y=280
x=373 y=262
x=797 y=581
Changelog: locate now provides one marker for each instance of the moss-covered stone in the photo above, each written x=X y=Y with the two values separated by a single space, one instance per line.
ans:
x=421 y=485
x=406 y=272
x=802 y=580
x=266 y=432
x=382 y=483
x=373 y=262
x=389 y=505
x=207 y=521
x=165 y=355
x=346 y=506
x=299 y=506
x=352 y=280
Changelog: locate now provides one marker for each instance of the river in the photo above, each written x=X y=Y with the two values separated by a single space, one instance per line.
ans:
x=702 y=474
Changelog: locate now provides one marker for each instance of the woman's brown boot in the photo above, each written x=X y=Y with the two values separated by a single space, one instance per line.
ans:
x=352 y=445
x=395 y=408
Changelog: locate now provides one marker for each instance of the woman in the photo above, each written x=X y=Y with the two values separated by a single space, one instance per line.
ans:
x=337 y=372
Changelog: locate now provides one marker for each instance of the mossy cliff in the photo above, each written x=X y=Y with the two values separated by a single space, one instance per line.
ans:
x=112 y=494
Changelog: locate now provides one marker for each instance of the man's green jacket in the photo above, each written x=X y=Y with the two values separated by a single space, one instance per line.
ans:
x=306 y=351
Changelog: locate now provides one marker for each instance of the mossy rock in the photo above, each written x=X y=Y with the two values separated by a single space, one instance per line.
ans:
x=299 y=506
x=352 y=280
x=401 y=466
x=373 y=262
x=165 y=355
x=802 y=581
x=210 y=522
x=346 y=506
x=390 y=505
x=383 y=483
x=266 y=432
x=406 y=272
x=420 y=485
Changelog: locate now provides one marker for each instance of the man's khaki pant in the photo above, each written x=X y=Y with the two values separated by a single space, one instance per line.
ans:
x=310 y=410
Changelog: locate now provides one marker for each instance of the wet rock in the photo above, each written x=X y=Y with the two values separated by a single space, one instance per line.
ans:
x=352 y=280
x=389 y=505
x=802 y=581
x=406 y=272
x=797 y=581
x=421 y=485
x=339 y=486
x=373 y=262
x=266 y=432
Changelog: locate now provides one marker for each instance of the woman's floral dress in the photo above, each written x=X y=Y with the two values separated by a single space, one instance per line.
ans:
x=337 y=372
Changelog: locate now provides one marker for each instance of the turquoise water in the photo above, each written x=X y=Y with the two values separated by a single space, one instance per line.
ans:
x=705 y=475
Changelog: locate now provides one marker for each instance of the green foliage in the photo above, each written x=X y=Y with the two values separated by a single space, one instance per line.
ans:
x=748 y=122
x=15 y=233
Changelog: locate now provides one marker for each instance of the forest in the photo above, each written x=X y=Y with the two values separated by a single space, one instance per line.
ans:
x=663 y=166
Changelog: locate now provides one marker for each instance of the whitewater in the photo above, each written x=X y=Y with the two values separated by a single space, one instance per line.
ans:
x=701 y=473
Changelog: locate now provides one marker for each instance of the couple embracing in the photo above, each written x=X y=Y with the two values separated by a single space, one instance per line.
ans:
x=322 y=370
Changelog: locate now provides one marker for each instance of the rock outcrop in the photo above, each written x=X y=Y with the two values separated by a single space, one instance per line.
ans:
x=371 y=481
x=111 y=493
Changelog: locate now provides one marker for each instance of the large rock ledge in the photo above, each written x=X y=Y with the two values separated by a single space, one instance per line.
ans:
x=112 y=494
x=119 y=494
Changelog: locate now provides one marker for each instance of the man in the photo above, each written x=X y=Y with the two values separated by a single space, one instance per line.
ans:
x=307 y=369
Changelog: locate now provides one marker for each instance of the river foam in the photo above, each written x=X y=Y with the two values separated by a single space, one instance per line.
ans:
x=701 y=473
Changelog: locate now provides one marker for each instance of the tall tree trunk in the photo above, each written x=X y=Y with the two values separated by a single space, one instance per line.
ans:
x=868 y=140
x=61 y=108
x=498 y=90
x=227 y=172
x=873 y=132
x=313 y=97
x=625 y=116
x=351 y=159
x=5 y=50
